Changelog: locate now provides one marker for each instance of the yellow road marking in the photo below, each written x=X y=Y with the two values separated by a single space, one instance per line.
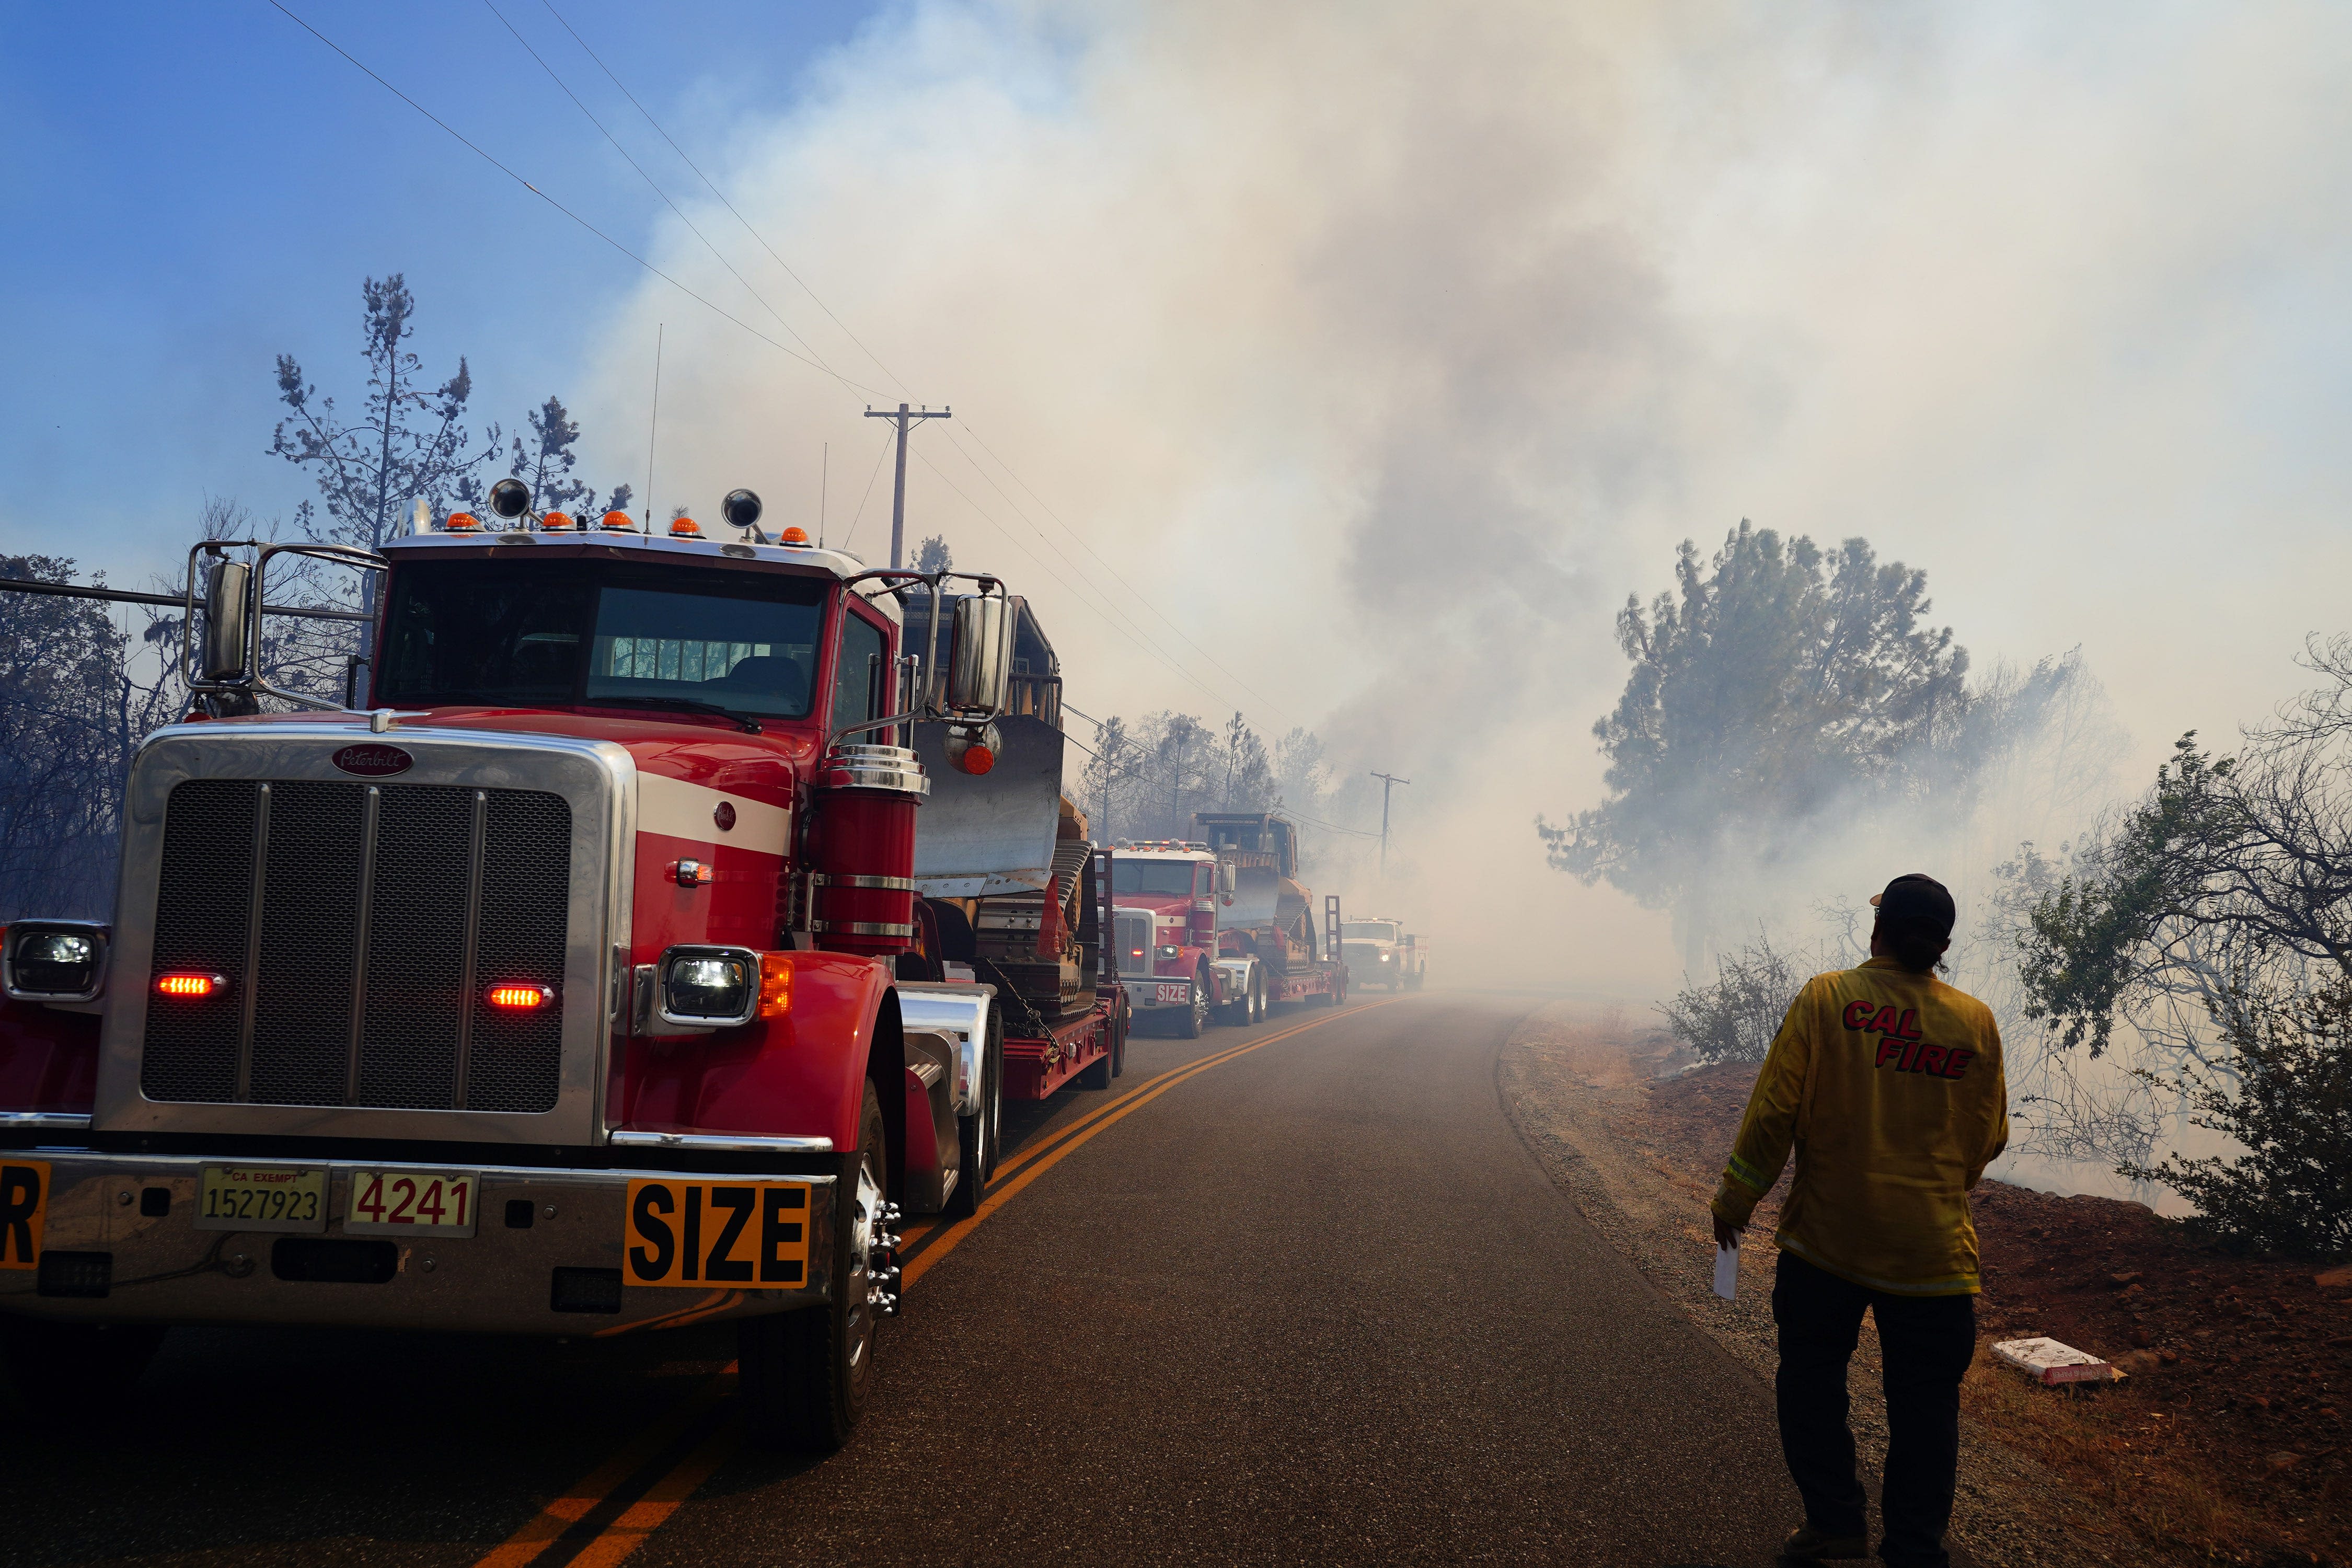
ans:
x=651 y=1512
x=581 y=1499
x=1106 y=1117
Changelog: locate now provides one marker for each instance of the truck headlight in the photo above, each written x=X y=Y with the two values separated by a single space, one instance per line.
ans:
x=1169 y=950
x=709 y=987
x=1385 y=958
x=54 y=961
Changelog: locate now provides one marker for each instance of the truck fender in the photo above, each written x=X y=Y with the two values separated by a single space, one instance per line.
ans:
x=1234 y=977
x=802 y=1074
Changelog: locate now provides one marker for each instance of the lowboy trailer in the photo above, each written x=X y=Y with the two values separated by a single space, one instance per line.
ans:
x=635 y=959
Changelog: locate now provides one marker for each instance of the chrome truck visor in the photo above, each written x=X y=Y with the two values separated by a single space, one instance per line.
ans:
x=326 y=931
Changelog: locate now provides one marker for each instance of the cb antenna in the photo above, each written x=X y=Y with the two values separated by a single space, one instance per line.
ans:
x=824 y=474
x=655 y=429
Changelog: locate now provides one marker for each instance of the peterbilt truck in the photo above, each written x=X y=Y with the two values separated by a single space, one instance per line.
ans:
x=1268 y=915
x=1382 y=953
x=1166 y=895
x=614 y=969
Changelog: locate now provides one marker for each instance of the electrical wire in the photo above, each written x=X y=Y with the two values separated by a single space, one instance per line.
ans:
x=462 y=140
x=869 y=489
x=1143 y=645
x=818 y=301
x=680 y=213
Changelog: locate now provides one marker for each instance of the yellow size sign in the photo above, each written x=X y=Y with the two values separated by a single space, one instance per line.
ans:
x=717 y=1233
x=24 y=1200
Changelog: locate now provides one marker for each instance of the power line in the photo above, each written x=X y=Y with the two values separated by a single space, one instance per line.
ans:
x=712 y=187
x=714 y=309
x=461 y=138
x=879 y=453
x=589 y=115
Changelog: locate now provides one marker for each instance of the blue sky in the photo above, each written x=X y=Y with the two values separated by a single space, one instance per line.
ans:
x=192 y=189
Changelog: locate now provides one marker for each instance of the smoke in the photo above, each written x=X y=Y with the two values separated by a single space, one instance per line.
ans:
x=1384 y=349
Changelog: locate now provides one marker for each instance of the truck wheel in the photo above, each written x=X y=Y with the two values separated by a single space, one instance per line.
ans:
x=69 y=1364
x=1095 y=1074
x=1195 y=1018
x=980 y=1135
x=805 y=1374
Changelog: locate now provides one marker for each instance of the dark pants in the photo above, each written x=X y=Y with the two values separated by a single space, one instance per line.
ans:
x=1927 y=1342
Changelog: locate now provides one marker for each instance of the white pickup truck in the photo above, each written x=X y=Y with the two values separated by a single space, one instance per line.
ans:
x=1381 y=952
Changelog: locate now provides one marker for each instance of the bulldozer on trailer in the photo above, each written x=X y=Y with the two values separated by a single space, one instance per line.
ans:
x=1267 y=913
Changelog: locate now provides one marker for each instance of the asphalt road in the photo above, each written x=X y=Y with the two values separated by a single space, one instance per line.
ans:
x=1312 y=1302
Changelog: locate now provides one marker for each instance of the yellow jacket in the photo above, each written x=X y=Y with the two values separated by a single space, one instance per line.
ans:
x=1889 y=1085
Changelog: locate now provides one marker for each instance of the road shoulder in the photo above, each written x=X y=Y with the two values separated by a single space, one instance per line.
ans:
x=1575 y=1083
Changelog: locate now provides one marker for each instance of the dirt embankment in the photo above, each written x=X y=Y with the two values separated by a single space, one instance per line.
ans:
x=2226 y=1443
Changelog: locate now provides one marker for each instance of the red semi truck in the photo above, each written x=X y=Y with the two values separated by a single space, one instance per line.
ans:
x=1167 y=894
x=651 y=944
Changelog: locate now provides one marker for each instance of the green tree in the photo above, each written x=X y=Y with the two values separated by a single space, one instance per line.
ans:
x=2208 y=930
x=407 y=442
x=1776 y=683
x=933 y=555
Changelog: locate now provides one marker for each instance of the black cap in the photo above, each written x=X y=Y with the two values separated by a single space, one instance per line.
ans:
x=1918 y=897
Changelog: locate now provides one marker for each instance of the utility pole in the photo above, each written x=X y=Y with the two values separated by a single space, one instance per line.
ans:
x=899 y=496
x=1388 y=783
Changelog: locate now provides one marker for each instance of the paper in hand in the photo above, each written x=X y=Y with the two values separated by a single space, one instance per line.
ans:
x=1726 y=1272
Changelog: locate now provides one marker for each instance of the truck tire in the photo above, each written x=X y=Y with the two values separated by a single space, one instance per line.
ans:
x=70 y=1366
x=805 y=1374
x=980 y=1135
x=1095 y=1074
x=1196 y=1016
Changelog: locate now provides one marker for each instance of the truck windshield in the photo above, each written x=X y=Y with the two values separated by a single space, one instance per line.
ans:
x=568 y=633
x=1367 y=931
x=1162 y=878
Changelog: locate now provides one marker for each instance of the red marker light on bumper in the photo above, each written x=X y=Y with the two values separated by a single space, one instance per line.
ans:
x=520 y=998
x=188 y=985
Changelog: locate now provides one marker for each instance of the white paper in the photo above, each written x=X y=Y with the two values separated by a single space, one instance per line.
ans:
x=1726 y=1272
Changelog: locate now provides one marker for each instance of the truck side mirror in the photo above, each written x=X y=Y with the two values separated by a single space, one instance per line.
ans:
x=1224 y=877
x=980 y=654
x=228 y=600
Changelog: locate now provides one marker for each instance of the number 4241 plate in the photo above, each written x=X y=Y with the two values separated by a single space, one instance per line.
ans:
x=411 y=1203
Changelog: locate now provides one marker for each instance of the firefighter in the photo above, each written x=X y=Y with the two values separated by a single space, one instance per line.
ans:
x=1887 y=1083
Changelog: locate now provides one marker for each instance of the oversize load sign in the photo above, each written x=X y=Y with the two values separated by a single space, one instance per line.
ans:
x=24 y=1200
x=717 y=1234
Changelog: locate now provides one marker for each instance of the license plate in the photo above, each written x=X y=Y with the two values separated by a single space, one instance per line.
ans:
x=716 y=1235
x=261 y=1197
x=412 y=1203
x=1177 y=993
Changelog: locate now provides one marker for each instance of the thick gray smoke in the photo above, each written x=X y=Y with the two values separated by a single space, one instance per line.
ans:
x=1384 y=349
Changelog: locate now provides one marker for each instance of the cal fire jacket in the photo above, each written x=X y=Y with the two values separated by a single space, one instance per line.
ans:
x=1888 y=1084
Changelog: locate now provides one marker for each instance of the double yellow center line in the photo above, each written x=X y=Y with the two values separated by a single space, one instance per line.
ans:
x=927 y=1241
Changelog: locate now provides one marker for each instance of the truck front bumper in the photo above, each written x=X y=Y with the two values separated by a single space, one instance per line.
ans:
x=548 y=1254
x=1172 y=995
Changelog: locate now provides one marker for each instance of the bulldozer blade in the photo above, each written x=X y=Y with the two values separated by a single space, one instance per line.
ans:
x=994 y=834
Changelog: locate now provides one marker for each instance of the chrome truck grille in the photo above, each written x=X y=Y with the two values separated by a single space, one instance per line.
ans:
x=359 y=894
x=360 y=933
x=1133 y=931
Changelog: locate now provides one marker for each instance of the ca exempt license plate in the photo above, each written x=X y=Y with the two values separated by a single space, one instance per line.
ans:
x=1180 y=990
x=412 y=1203
x=716 y=1234
x=262 y=1198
